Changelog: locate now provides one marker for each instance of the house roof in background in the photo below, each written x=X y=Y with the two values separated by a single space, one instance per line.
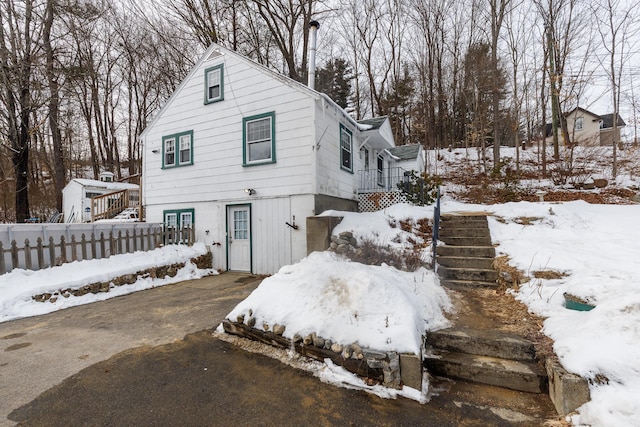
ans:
x=115 y=186
x=406 y=152
x=607 y=121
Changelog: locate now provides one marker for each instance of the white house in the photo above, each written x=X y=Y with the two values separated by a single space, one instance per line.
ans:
x=245 y=155
x=77 y=196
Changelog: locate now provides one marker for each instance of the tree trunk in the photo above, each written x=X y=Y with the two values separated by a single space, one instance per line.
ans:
x=54 y=104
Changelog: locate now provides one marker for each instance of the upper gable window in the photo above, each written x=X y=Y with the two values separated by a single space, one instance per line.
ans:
x=259 y=142
x=346 y=149
x=177 y=149
x=579 y=123
x=214 y=84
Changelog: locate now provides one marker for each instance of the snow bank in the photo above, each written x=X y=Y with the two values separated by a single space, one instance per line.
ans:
x=378 y=307
x=19 y=286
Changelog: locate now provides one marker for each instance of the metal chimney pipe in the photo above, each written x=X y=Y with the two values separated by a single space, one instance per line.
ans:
x=313 y=30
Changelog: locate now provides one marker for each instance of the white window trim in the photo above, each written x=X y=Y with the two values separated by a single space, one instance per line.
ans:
x=215 y=74
x=170 y=148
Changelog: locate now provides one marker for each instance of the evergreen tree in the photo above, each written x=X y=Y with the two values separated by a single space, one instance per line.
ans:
x=334 y=80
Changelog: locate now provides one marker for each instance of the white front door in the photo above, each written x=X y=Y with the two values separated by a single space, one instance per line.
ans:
x=239 y=238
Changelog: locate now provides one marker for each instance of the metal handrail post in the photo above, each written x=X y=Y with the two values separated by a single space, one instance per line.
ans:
x=436 y=228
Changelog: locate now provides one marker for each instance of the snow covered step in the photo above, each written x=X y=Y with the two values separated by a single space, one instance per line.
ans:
x=483 y=343
x=473 y=274
x=512 y=374
x=466 y=251
x=466 y=262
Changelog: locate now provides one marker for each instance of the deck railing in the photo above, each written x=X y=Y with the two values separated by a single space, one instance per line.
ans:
x=109 y=205
x=388 y=179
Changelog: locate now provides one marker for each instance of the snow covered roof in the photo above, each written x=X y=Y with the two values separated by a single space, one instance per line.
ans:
x=377 y=131
x=405 y=152
x=94 y=183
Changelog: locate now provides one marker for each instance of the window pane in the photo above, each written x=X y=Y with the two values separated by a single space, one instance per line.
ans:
x=258 y=139
x=171 y=220
x=240 y=225
x=185 y=149
x=259 y=130
x=345 y=145
x=186 y=219
x=259 y=151
x=213 y=82
x=169 y=151
x=214 y=92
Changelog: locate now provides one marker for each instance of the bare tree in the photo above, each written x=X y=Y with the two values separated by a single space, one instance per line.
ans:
x=498 y=10
x=287 y=21
x=566 y=25
x=54 y=104
x=19 y=39
x=617 y=27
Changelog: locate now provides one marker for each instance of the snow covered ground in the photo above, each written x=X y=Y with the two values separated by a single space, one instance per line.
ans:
x=596 y=247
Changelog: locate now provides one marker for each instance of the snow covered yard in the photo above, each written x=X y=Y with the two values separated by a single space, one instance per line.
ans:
x=594 y=248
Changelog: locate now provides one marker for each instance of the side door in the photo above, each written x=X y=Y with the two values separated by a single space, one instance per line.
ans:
x=239 y=238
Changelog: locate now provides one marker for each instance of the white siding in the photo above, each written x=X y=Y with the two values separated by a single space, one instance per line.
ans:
x=72 y=198
x=218 y=172
x=274 y=243
x=332 y=180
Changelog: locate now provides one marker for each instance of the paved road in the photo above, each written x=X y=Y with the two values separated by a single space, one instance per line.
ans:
x=148 y=359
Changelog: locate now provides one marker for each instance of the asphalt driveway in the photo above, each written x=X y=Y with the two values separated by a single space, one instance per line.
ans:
x=149 y=358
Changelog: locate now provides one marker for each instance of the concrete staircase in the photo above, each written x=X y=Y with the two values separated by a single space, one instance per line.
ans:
x=475 y=349
x=487 y=357
x=466 y=259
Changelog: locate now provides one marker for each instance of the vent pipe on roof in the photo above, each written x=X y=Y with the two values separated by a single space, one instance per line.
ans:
x=313 y=30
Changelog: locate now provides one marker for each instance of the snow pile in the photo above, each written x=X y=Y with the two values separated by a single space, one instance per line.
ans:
x=19 y=286
x=596 y=247
x=378 y=307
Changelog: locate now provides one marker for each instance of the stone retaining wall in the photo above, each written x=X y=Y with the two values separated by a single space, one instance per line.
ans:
x=377 y=367
x=202 y=262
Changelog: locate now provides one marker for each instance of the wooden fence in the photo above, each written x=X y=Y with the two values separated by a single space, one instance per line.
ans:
x=50 y=252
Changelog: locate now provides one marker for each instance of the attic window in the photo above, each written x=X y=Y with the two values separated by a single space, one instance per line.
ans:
x=579 y=123
x=214 y=84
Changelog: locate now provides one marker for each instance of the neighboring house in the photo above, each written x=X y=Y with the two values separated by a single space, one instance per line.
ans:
x=85 y=200
x=244 y=155
x=587 y=128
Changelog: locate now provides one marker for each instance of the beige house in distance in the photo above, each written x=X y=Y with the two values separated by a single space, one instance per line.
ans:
x=587 y=128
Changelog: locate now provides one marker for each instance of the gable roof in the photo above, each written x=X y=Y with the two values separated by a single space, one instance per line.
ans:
x=94 y=183
x=607 y=121
x=373 y=123
x=406 y=152
x=583 y=110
